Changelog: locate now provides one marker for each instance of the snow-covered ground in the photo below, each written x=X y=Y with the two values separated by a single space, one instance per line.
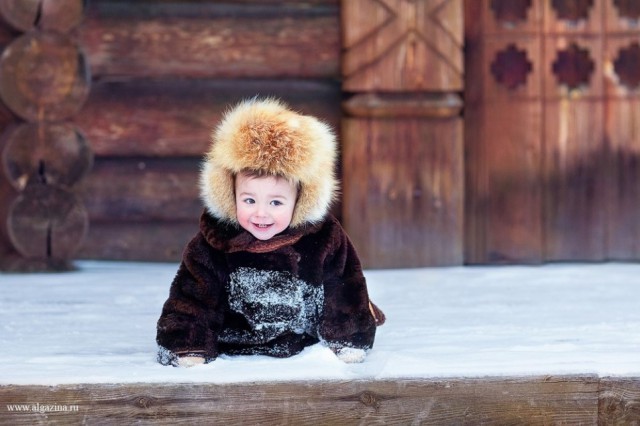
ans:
x=97 y=325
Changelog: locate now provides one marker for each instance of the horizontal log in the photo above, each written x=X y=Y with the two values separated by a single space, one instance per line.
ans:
x=142 y=189
x=212 y=8
x=211 y=40
x=137 y=241
x=142 y=208
x=550 y=400
x=175 y=117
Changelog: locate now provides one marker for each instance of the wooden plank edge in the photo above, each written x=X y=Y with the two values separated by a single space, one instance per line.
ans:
x=493 y=400
x=619 y=401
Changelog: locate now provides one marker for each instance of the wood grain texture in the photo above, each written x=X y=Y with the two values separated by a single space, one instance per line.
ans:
x=7 y=196
x=137 y=189
x=56 y=15
x=616 y=15
x=47 y=221
x=623 y=175
x=7 y=193
x=504 y=190
x=44 y=76
x=580 y=202
x=575 y=157
x=619 y=401
x=535 y=401
x=622 y=130
x=575 y=204
x=503 y=147
x=559 y=16
x=153 y=241
x=55 y=153
x=403 y=190
x=211 y=40
x=402 y=46
x=165 y=118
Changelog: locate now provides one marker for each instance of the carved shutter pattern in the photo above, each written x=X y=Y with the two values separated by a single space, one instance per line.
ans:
x=552 y=95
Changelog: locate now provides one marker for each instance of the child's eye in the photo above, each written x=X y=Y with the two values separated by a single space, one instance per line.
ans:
x=249 y=201
x=276 y=203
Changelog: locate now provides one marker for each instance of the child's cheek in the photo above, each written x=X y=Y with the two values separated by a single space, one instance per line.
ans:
x=243 y=217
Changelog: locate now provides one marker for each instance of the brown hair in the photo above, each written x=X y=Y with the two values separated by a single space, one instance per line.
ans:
x=258 y=173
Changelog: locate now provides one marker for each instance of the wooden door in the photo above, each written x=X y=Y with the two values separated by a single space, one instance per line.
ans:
x=550 y=119
x=402 y=73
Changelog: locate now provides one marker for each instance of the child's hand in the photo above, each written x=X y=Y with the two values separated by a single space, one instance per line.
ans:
x=190 y=361
x=351 y=355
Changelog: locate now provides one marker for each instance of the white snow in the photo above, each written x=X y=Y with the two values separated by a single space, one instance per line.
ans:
x=97 y=325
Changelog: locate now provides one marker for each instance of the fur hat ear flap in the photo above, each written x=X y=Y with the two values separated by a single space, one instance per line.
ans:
x=264 y=135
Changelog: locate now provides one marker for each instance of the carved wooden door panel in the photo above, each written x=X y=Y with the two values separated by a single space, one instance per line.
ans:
x=402 y=135
x=551 y=130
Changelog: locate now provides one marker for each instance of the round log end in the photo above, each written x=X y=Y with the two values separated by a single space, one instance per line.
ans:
x=51 y=153
x=44 y=76
x=47 y=222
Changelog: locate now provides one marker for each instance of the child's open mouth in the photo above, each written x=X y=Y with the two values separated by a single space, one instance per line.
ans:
x=262 y=225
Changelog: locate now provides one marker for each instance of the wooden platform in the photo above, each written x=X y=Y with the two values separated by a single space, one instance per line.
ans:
x=584 y=400
x=555 y=344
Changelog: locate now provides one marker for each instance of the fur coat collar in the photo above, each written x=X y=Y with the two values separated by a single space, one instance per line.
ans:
x=231 y=238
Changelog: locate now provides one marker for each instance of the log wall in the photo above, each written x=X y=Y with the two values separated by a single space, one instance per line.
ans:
x=44 y=81
x=163 y=73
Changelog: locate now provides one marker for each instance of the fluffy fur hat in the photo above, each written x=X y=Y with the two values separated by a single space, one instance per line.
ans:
x=264 y=135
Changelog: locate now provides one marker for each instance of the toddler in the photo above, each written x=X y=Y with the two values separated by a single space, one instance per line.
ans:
x=271 y=271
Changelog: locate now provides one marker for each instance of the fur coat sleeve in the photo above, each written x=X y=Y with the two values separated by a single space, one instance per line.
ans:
x=192 y=315
x=348 y=319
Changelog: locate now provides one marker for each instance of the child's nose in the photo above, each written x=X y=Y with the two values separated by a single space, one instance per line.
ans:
x=261 y=210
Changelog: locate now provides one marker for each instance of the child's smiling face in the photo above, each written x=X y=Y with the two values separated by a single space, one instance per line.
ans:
x=264 y=204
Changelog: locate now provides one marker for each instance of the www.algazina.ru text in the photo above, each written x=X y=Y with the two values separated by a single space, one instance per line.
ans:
x=42 y=408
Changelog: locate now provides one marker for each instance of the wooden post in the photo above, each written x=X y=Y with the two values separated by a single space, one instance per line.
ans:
x=44 y=79
x=402 y=134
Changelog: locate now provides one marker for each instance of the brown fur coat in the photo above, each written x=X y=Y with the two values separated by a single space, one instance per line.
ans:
x=234 y=294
